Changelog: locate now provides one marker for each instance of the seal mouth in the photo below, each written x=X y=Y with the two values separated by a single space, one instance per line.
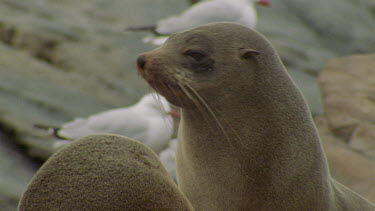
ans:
x=167 y=85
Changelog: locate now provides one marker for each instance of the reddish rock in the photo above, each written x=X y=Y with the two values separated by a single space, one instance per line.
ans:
x=348 y=90
x=347 y=166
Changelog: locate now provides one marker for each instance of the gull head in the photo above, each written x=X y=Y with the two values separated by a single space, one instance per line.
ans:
x=157 y=103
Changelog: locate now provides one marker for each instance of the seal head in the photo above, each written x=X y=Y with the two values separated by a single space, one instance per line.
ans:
x=199 y=59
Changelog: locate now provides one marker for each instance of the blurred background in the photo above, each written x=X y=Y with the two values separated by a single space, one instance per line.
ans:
x=61 y=59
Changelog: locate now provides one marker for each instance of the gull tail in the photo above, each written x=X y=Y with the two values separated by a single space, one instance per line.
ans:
x=150 y=28
x=53 y=129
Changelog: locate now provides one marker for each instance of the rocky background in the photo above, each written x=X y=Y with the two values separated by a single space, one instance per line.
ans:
x=61 y=59
x=347 y=127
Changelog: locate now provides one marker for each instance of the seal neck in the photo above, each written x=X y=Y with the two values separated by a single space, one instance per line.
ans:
x=257 y=127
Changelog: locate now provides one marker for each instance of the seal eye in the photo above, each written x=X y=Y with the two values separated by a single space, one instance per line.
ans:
x=197 y=61
x=195 y=54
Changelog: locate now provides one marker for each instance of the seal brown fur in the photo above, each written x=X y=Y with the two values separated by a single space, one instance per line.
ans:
x=103 y=172
x=246 y=139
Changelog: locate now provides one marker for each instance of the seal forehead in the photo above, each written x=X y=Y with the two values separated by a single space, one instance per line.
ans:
x=192 y=38
x=195 y=38
x=231 y=35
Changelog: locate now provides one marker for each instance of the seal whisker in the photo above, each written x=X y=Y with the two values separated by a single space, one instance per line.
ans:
x=226 y=123
x=219 y=124
x=167 y=121
x=175 y=93
x=197 y=104
x=157 y=98
x=209 y=109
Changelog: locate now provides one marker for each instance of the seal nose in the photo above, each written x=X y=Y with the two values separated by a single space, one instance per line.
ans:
x=141 y=61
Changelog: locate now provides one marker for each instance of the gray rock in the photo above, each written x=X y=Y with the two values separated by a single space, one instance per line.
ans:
x=307 y=33
x=16 y=172
x=67 y=59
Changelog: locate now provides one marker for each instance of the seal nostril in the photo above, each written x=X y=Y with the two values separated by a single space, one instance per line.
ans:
x=141 y=61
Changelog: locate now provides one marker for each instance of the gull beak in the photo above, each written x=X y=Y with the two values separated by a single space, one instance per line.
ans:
x=174 y=114
x=264 y=3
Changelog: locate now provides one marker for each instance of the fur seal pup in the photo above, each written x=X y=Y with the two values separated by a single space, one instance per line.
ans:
x=103 y=172
x=246 y=139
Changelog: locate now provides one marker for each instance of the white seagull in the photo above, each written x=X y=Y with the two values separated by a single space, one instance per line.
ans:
x=168 y=156
x=148 y=121
x=236 y=11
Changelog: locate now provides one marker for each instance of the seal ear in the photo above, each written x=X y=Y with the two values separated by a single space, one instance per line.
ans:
x=246 y=53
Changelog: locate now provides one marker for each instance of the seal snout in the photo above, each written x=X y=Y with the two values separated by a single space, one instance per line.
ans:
x=141 y=62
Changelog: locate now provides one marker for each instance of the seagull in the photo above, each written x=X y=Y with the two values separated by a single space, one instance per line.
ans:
x=236 y=11
x=167 y=157
x=148 y=121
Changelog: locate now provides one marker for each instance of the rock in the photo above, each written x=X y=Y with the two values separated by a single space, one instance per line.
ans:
x=349 y=98
x=16 y=172
x=347 y=166
x=307 y=33
x=65 y=60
